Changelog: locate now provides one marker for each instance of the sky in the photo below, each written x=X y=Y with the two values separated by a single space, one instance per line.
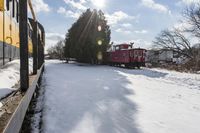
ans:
x=138 y=21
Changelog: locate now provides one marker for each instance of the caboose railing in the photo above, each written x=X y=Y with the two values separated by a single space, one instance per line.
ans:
x=23 y=21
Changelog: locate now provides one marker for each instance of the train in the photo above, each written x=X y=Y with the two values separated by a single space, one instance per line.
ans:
x=9 y=32
x=125 y=54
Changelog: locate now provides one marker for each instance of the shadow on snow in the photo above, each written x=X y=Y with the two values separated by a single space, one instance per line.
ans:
x=90 y=97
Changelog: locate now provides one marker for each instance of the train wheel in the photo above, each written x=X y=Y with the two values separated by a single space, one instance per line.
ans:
x=138 y=65
x=126 y=66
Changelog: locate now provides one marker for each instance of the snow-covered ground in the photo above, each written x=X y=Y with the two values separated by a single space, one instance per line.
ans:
x=9 y=76
x=102 y=99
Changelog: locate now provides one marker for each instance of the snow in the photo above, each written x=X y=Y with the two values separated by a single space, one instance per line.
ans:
x=101 y=99
x=9 y=76
x=1 y=104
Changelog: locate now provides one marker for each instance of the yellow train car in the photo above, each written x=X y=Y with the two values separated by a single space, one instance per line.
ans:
x=9 y=31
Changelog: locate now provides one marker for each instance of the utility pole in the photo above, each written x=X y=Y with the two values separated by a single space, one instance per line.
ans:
x=23 y=30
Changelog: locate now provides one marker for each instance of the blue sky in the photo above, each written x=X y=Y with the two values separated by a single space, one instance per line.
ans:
x=136 y=21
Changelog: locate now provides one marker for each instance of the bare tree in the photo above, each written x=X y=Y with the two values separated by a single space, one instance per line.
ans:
x=57 y=51
x=192 y=15
x=60 y=49
x=178 y=39
x=174 y=40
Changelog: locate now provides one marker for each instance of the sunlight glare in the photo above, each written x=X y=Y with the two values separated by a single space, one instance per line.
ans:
x=99 y=42
x=99 y=3
x=99 y=55
x=99 y=28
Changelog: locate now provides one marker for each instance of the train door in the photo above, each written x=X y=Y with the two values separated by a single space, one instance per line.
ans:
x=16 y=52
x=14 y=28
x=1 y=30
x=7 y=27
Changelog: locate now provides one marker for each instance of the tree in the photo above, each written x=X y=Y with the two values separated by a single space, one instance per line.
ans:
x=88 y=38
x=192 y=15
x=176 y=41
x=57 y=51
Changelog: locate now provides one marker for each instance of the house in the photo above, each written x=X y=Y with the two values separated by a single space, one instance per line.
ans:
x=160 y=56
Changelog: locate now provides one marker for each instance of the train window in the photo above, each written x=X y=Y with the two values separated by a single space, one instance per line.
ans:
x=131 y=54
x=31 y=34
x=8 y=5
x=136 y=53
x=28 y=28
x=13 y=8
x=117 y=48
x=140 y=53
x=17 y=12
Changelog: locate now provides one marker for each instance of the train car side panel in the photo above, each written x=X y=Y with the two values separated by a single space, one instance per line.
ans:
x=127 y=55
x=120 y=56
x=1 y=37
x=137 y=56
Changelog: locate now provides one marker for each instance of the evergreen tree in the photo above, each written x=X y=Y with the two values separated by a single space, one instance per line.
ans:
x=88 y=38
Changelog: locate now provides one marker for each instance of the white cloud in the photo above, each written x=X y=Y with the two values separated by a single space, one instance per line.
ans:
x=83 y=1
x=117 y=17
x=55 y=36
x=52 y=39
x=126 y=25
x=78 y=5
x=124 y=31
x=141 y=31
x=61 y=10
x=68 y=13
x=40 y=6
x=188 y=2
x=155 y=6
x=182 y=26
x=138 y=43
x=142 y=44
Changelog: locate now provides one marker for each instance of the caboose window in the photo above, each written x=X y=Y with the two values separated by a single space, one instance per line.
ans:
x=131 y=54
x=117 y=48
x=140 y=53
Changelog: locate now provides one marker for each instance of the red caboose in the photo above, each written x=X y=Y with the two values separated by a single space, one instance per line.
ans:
x=127 y=55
